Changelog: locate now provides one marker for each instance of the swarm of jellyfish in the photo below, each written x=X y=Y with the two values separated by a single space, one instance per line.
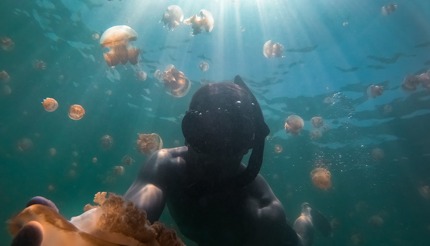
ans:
x=117 y=40
x=202 y=21
x=172 y=17
x=272 y=49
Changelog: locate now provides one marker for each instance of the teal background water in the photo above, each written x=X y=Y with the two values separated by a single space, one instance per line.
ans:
x=333 y=51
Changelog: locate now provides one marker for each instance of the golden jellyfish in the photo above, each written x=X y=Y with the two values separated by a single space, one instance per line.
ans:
x=127 y=160
x=76 y=112
x=24 y=144
x=148 y=143
x=315 y=134
x=204 y=66
x=294 y=124
x=374 y=91
x=141 y=75
x=118 y=170
x=317 y=121
x=39 y=65
x=52 y=151
x=50 y=104
x=117 y=39
x=172 y=17
x=410 y=83
x=175 y=81
x=4 y=76
x=278 y=148
x=203 y=20
x=106 y=142
x=377 y=154
x=321 y=178
x=7 y=43
x=424 y=79
x=424 y=191
x=376 y=220
x=5 y=90
x=272 y=49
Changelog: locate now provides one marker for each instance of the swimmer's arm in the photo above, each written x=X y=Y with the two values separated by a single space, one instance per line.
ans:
x=268 y=217
x=146 y=192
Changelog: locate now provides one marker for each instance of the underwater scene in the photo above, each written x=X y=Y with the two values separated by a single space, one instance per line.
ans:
x=90 y=88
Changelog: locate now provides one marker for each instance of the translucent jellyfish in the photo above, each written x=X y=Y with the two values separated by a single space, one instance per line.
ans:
x=7 y=43
x=141 y=75
x=106 y=142
x=117 y=39
x=95 y=36
x=424 y=191
x=5 y=90
x=50 y=104
x=4 y=76
x=315 y=134
x=118 y=170
x=158 y=75
x=376 y=220
x=272 y=49
x=39 y=65
x=374 y=91
x=377 y=154
x=294 y=124
x=388 y=9
x=52 y=151
x=203 y=20
x=204 y=66
x=24 y=144
x=278 y=148
x=317 y=121
x=148 y=143
x=175 y=81
x=127 y=160
x=94 y=160
x=76 y=112
x=172 y=17
x=410 y=83
x=424 y=79
x=321 y=178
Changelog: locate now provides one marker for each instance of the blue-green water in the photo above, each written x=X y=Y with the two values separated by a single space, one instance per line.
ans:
x=333 y=51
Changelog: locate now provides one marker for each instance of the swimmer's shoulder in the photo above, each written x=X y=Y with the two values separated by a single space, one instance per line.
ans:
x=168 y=158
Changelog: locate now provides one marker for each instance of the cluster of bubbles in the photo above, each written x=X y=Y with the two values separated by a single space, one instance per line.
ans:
x=76 y=111
x=173 y=17
x=147 y=143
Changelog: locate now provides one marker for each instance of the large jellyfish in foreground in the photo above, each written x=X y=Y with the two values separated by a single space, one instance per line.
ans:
x=204 y=20
x=148 y=143
x=272 y=49
x=112 y=222
x=321 y=178
x=175 y=81
x=294 y=124
x=117 y=39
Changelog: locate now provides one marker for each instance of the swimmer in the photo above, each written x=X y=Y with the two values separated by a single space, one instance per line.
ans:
x=213 y=197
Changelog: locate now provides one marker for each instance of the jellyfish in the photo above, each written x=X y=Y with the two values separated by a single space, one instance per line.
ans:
x=424 y=79
x=113 y=221
x=24 y=144
x=39 y=65
x=117 y=39
x=374 y=91
x=410 y=83
x=141 y=75
x=317 y=121
x=315 y=134
x=424 y=191
x=4 y=76
x=50 y=104
x=377 y=154
x=278 y=148
x=204 y=66
x=204 y=20
x=148 y=143
x=294 y=124
x=272 y=49
x=118 y=170
x=52 y=151
x=127 y=160
x=76 y=112
x=7 y=43
x=376 y=220
x=106 y=142
x=172 y=17
x=321 y=178
x=388 y=9
x=175 y=81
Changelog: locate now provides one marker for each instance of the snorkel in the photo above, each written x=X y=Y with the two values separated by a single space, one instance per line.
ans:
x=212 y=106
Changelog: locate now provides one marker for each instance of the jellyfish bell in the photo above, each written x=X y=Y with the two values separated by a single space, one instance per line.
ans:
x=376 y=220
x=204 y=66
x=272 y=49
x=175 y=81
x=4 y=76
x=321 y=178
x=76 y=112
x=148 y=143
x=377 y=154
x=106 y=142
x=278 y=148
x=117 y=39
x=294 y=124
x=204 y=20
x=388 y=9
x=410 y=83
x=50 y=104
x=7 y=43
x=208 y=20
x=317 y=121
x=374 y=91
x=172 y=17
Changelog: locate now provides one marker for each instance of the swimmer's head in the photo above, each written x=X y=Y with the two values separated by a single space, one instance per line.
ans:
x=220 y=120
